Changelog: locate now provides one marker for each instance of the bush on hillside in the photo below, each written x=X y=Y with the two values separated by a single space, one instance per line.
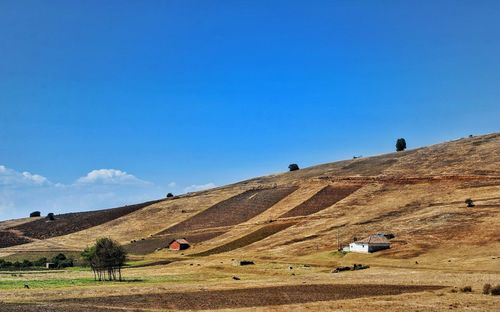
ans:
x=293 y=167
x=469 y=202
x=495 y=291
x=466 y=289
x=486 y=289
x=400 y=145
x=169 y=195
x=50 y=216
x=35 y=214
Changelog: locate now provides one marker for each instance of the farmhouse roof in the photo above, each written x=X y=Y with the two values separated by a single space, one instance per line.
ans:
x=374 y=239
x=180 y=241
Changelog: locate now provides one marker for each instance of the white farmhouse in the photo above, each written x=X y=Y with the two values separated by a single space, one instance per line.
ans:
x=370 y=244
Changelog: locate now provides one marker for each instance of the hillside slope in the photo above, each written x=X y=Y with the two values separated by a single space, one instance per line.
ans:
x=418 y=195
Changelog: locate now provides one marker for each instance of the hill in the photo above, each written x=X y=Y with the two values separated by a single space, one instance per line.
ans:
x=290 y=225
x=417 y=194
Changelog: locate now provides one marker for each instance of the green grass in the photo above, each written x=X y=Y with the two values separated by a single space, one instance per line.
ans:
x=46 y=283
x=18 y=281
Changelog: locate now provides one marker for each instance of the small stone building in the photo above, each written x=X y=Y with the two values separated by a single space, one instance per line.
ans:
x=50 y=265
x=179 y=244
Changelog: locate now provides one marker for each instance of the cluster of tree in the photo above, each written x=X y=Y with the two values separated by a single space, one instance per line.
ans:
x=106 y=259
x=60 y=261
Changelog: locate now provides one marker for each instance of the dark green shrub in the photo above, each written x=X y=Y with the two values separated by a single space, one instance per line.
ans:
x=293 y=167
x=35 y=214
x=469 y=202
x=169 y=195
x=26 y=264
x=400 y=145
x=495 y=291
x=50 y=216
x=466 y=289
x=40 y=262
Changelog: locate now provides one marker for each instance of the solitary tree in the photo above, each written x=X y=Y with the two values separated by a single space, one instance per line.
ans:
x=293 y=167
x=169 y=195
x=106 y=258
x=469 y=202
x=400 y=144
x=50 y=216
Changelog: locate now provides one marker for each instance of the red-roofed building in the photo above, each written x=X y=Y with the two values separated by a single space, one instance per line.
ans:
x=179 y=244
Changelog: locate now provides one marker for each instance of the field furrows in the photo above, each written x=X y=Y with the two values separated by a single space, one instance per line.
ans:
x=248 y=239
x=149 y=245
x=73 y=222
x=235 y=210
x=325 y=198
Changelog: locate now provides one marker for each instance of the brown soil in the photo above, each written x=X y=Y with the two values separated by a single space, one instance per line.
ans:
x=235 y=210
x=248 y=239
x=8 y=238
x=12 y=307
x=249 y=297
x=73 y=222
x=326 y=197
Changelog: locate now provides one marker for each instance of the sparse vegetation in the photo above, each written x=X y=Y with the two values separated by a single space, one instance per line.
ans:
x=50 y=216
x=400 y=145
x=106 y=258
x=293 y=167
x=170 y=195
x=495 y=291
x=466 y=289
x=486 y=289
x=60 y=261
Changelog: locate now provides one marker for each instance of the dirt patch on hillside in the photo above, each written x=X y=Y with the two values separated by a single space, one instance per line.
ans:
x=10 y=238
x=235 y=210
x=248 y=239
x=249 y=297
x=73 y=222
x=325 y=198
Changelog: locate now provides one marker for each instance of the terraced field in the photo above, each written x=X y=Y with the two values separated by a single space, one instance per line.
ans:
x=149 y=245
x=9 y=238
x=73 y=222
x=248 y=239
x=235 y=210
x=325 y=198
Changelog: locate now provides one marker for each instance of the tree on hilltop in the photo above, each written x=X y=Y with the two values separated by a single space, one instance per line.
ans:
x=293 y=167
x=400 y=145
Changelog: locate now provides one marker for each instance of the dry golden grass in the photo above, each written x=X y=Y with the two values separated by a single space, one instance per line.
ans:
x=418 y=195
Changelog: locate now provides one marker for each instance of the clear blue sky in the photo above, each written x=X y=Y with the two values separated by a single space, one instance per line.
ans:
x=181 y=94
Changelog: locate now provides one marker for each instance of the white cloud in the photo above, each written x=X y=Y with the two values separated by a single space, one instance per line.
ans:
x=199 y=187
x=109 y=176
x=172 y=184
x=11 y=177
x=23 y=192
